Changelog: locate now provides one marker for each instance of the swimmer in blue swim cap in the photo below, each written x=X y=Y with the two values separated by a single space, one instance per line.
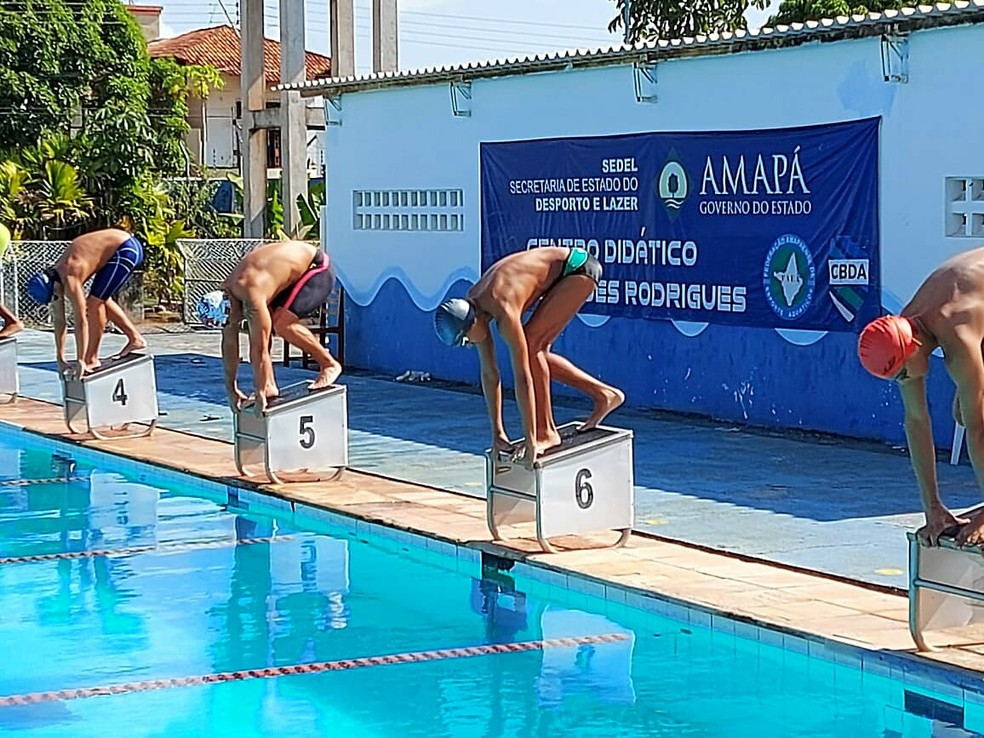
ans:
x=110 y=256
x=555 y=282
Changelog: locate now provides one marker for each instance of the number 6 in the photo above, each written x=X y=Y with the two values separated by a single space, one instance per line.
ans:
x=583 y=492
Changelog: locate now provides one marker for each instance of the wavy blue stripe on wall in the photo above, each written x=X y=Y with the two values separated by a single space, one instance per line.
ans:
x=748 y=375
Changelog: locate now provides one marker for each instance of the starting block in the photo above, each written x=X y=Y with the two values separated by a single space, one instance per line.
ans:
x=582 y=486
x=9 y=384
x=946 y=592
x=302 y=430
x=121 y=392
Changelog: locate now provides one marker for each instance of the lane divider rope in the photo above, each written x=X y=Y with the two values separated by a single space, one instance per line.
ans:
x=34 y=698
x=49 y=480
x=170 y=548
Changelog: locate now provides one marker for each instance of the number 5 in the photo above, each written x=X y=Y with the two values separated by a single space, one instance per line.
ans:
x=307 y=431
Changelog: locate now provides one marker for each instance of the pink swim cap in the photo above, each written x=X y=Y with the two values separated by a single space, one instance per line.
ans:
x=885 y=344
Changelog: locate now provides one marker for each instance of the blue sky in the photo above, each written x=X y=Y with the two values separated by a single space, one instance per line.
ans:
x=436 y=32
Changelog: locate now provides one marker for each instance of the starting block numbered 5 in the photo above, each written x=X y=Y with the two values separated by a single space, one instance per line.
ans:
x=8 y=368
x=120 y=393
x=582 y=486
x=946 y=592
x=302 y=430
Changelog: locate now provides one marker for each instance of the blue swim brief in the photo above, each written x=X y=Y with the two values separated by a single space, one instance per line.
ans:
x=114 y=274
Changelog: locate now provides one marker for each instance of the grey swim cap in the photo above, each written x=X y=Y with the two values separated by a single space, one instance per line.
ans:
x=453 y=319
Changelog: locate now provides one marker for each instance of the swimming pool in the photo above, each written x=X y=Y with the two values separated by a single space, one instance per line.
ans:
x=142 y=603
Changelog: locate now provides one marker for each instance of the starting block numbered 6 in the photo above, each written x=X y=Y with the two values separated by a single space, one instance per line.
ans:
x=584 y=485
x=120 y=393
x=302 y=430
x=8 y=368
x=946 y=592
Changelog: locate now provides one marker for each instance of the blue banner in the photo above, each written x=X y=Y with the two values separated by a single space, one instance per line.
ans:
x=774 y=228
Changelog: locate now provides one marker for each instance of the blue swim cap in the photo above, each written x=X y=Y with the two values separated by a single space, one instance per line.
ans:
x=453 y=319
x=213 y=309
x=41 y=288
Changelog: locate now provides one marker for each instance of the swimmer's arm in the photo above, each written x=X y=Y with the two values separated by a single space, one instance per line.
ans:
x=230 y=348
x=492 y=389
x=75 y=293
x=922 y=451
x=260 y=333
x=58 y=319
x=511 y=330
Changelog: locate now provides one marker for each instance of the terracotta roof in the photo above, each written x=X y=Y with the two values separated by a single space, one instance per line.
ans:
x=219 y=47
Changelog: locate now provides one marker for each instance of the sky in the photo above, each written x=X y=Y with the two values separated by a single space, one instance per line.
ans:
x=436 y=32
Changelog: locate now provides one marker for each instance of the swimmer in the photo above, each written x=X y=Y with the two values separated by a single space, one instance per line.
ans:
x=555 y=282
x=947 y=312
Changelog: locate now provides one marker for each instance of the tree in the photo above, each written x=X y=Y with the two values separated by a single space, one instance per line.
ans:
x=667 y=19
x=800 y=11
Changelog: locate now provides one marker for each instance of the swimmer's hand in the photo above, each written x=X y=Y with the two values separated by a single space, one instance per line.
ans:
x=71 y=369
x=237 y=399
x=527 y=452
x=937 y=521
x=501 y=445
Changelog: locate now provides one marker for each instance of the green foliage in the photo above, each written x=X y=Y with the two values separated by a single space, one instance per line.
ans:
x=799 y=11
x=668 y=19
x=90 y=127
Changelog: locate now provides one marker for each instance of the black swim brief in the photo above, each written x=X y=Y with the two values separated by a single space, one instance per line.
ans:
x=306 y=296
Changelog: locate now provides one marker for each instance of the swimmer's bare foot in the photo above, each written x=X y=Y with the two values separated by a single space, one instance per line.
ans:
x=91 y=366
x=9 y=329
x=327 y=376
x=550 y=439
x=611 y=399
x=134 y=344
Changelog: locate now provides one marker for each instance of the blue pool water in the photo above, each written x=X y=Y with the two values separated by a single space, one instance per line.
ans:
x=118 y=579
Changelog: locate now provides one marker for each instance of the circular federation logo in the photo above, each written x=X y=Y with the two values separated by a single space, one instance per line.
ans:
x=789 y=277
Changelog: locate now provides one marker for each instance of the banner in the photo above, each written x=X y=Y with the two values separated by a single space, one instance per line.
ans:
x=774 y=228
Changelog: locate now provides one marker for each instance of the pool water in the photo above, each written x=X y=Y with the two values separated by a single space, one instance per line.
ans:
x=156 y=589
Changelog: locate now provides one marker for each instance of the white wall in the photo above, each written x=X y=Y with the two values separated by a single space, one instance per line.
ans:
x=408 y=138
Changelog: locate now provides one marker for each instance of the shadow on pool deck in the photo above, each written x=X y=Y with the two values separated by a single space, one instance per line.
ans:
x=823 y=503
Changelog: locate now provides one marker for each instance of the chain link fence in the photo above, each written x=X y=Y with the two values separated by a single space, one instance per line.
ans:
x=207 y=262
x=26 y=258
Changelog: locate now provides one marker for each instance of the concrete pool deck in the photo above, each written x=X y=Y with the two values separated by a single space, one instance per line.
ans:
x=648 y=572
x=818 y=503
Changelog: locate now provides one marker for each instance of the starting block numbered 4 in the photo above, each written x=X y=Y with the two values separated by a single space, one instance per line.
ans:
x=120 y=393
x=302 y=430
x=582 y=486
x=9 y=384
x=946 y=592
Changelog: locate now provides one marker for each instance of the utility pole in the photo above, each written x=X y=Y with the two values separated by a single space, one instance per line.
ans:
x=628 y=16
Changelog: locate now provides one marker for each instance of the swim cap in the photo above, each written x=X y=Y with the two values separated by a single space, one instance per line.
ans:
x=213 y=309
x=41 y=287
x=453 y=320
x=885 y=344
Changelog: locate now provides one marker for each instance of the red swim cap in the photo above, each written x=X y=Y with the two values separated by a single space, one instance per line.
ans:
x=885 y=344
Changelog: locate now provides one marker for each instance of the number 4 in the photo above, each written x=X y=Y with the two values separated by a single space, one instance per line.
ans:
x=119 y=393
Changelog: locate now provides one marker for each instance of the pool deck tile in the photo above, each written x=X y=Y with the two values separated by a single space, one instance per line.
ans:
x=818 y=613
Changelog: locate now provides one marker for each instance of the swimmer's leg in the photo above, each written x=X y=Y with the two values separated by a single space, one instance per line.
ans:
x=289 y=327
x=553 y=314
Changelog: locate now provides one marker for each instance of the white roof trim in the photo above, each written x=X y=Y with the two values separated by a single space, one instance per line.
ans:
x=959 y=12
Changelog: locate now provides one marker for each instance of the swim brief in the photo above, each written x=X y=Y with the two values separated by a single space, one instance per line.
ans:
x=115 y=272
x=579 y=261
x=306 y=296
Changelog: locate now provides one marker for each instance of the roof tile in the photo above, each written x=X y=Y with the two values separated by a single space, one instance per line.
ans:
x=219 y=47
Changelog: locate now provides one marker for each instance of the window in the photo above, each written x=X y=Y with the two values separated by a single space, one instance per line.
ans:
x=965 y=207
x=408 y=210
